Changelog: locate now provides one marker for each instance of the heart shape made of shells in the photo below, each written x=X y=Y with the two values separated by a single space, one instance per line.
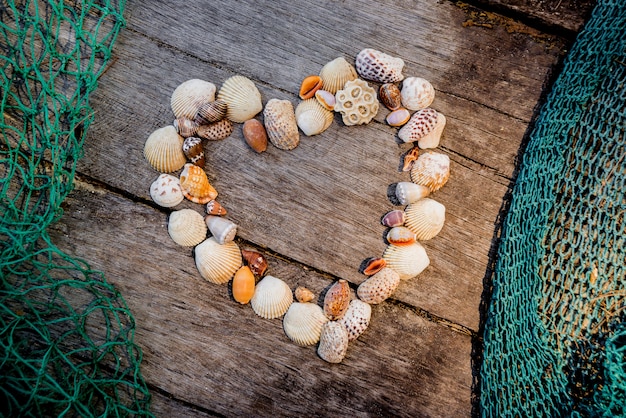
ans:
x=202 y=115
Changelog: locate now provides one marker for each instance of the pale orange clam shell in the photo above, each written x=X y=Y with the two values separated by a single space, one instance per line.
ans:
x=195 y=184
x=243 y=285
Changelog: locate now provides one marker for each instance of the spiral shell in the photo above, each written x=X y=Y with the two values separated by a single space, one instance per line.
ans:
x=337 y=300
x=431 y=169
x=195 y=185
x=164 y=150
x=194 y=151
x=356 y=102
x=189 y=96
x=256 y=261
x=186 y=227
x=303 y=323
x=215 y=131
x=312 y=117
x=185 y=127
x=272 y=297
x=378 y=66
x=356 y=319
x=280 y=124
x=408 y=192
x=166 y=191
x=336 y=73
x=417 y=93
x=242 y=97
x=333 y=344
x=425 y=218
x=379 y=287
x=216 y=262
x=243 y=285
x=408 y=261
x=222 y=229
x=421 y=123
x=410 y=157
x=211 y=112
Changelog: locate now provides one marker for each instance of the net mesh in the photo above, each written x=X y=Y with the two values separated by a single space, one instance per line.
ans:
x=555 y=336
x=66 y=335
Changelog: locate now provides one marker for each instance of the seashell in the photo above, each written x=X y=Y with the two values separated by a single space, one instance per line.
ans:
x=215 y=208
x=309 y=86
x=163 y=150
x=194 y=151
x=222 y=229
x=356 y=319
x=211 y=112
x=389 y=95
x=379 y=287
x=217 y=262
x=186 y=227
x=333 y=344
x=425 y=218
x=215 y=131
x=374 y=265
x=272 y=297
x=417 y=93
x=185 y=127
x=410 y=157
x=432 y=139
x=312 y=118
x=256 y=261
x=377 y=66
x=303 y=323
x=255 y=135
x=431 y=169
x=408 y=260
x=189 y=96
x=408 y=192
x=166 y=191
x=393 y=218
x=398 y=117
x=195 y=184
x=336 y=73
x=337 y=300
x=281 y=125
x=243 y=285
x=242 y=97
x=400 y=235
x=304 y=295
x=356 y=102
x=326 y=99
x=421 y=123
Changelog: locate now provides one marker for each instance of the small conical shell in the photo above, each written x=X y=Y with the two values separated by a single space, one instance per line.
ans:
x=243 y=285
x=194 y=151
x=211 y=112
x=189 y=96
x=431 y=169
x=215 y=208
x=222 y=229
x=425 y=218
x=356 y=319
x=336 y=73
x=303 y=323
x=195 y=185
x=312 y=117
x=409 y=192
x=377 y=66
x=242 y=97
x=408 y=261
x=400 y=235
x=166 y=191
x=186 y=227
x=337 y=300
x=432 y=138
x=256 y=261
x=421 y=123
x=379 y=287
x=216 y=131
x=280 y=124
x=272 y=297
x=164 y=150
x=417 y=93
x=333 y=344
x=304 y=295
x=217 y=262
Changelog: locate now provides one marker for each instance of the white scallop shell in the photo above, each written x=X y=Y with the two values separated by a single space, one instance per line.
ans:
x=186 y=227
x=312 y=117
x=333 y=344
x=377 y=66
x=272 y=297
x=280 y=124
x=432 y=138
x=217 y=262
x=356 y=319
x=242 y=97
x=379 y=286
x=408 y=192
x=336 y=73
x=166 y=191
x=357 y=102
x=417 y=93
x=425 y=217
x=221 y=228
x=408 y=260
x=431 y=169
x=164 y=150
x=303 y=323
x=189 y=96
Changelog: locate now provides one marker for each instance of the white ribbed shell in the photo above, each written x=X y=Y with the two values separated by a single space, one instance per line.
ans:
x=272 y=297
x=336 y=73
x=303 y=323
x=425 y=217
x=312 y=117
x=216 y=262
x=186 y=227
x=189 y=96
x=408 y=260
x=242 y=97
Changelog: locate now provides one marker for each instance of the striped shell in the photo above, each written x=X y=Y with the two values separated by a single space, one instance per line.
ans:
x=356 y=319
x=432 y=138
x=357 y=102
x=312 y=118
x=166 y=191
x=337 y=300
x=333 y=344
x=336 y=73
x=421 y=123
x=186 y=227
x=431 y=169
x=217 y=262
x=215 y=131
x=272 y=297
x=222 y=229
x=425 y=218
x=189 y=96
x=194 y=151
x=195 y=184
x=303 y=323
x=243 y=285
x=379 y=287
x=280 y=124
x=409 y=192
x=408 y=261
x=417 y=93
x=211 y=112
x=378 y=66
x=400 y=235
x=164 y=150
x=242 y=97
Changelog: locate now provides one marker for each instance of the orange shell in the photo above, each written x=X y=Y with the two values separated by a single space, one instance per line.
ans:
x=337 y=300
x=256 y=261
x=215 y=208
x=195 y=185
x=374 y=265
x=309 y=86
x=243 y=285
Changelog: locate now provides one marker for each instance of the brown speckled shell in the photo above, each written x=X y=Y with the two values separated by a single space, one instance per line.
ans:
x=337 y=300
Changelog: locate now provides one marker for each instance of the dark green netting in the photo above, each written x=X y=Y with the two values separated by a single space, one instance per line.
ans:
x=555 y=336
x=66 y=335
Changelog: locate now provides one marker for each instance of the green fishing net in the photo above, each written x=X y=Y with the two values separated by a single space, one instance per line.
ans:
x=66 y=335
x=555 y=335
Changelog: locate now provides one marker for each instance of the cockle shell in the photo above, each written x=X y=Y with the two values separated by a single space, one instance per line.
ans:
x=166 y=191
x=400 y=235
x=431 y=169
x=215 y=131
x=217 y=262
x=336 y=73
x=312 y=117
x=189 y=96
x=309 y=86
x=255 y=135
x=390 y=96
x=280 y=124
x=215 y=208
x=194 y=151
x=256 y=261
x=333 y=344
x=374 y=265
x=337 y=300
x=243 y=285
x=379 y=287
x=398 y=117
x=417 y=93
x=410 y=157
x=303 y=323
x=195 y=184
x=393 y=218
x=408 y=260
x=421 y=123
x=378 y=66
x=326 y=99
x=242 y=97
x=211 y=112
x=186 y=227
x=356 y=102
x=164 y=150
x=272 y=297
x=356 y=319
x=432 y=138
x=222 y=229
x=425 y=218
x=304 y=295
x=408 y=192
x=185 y=127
